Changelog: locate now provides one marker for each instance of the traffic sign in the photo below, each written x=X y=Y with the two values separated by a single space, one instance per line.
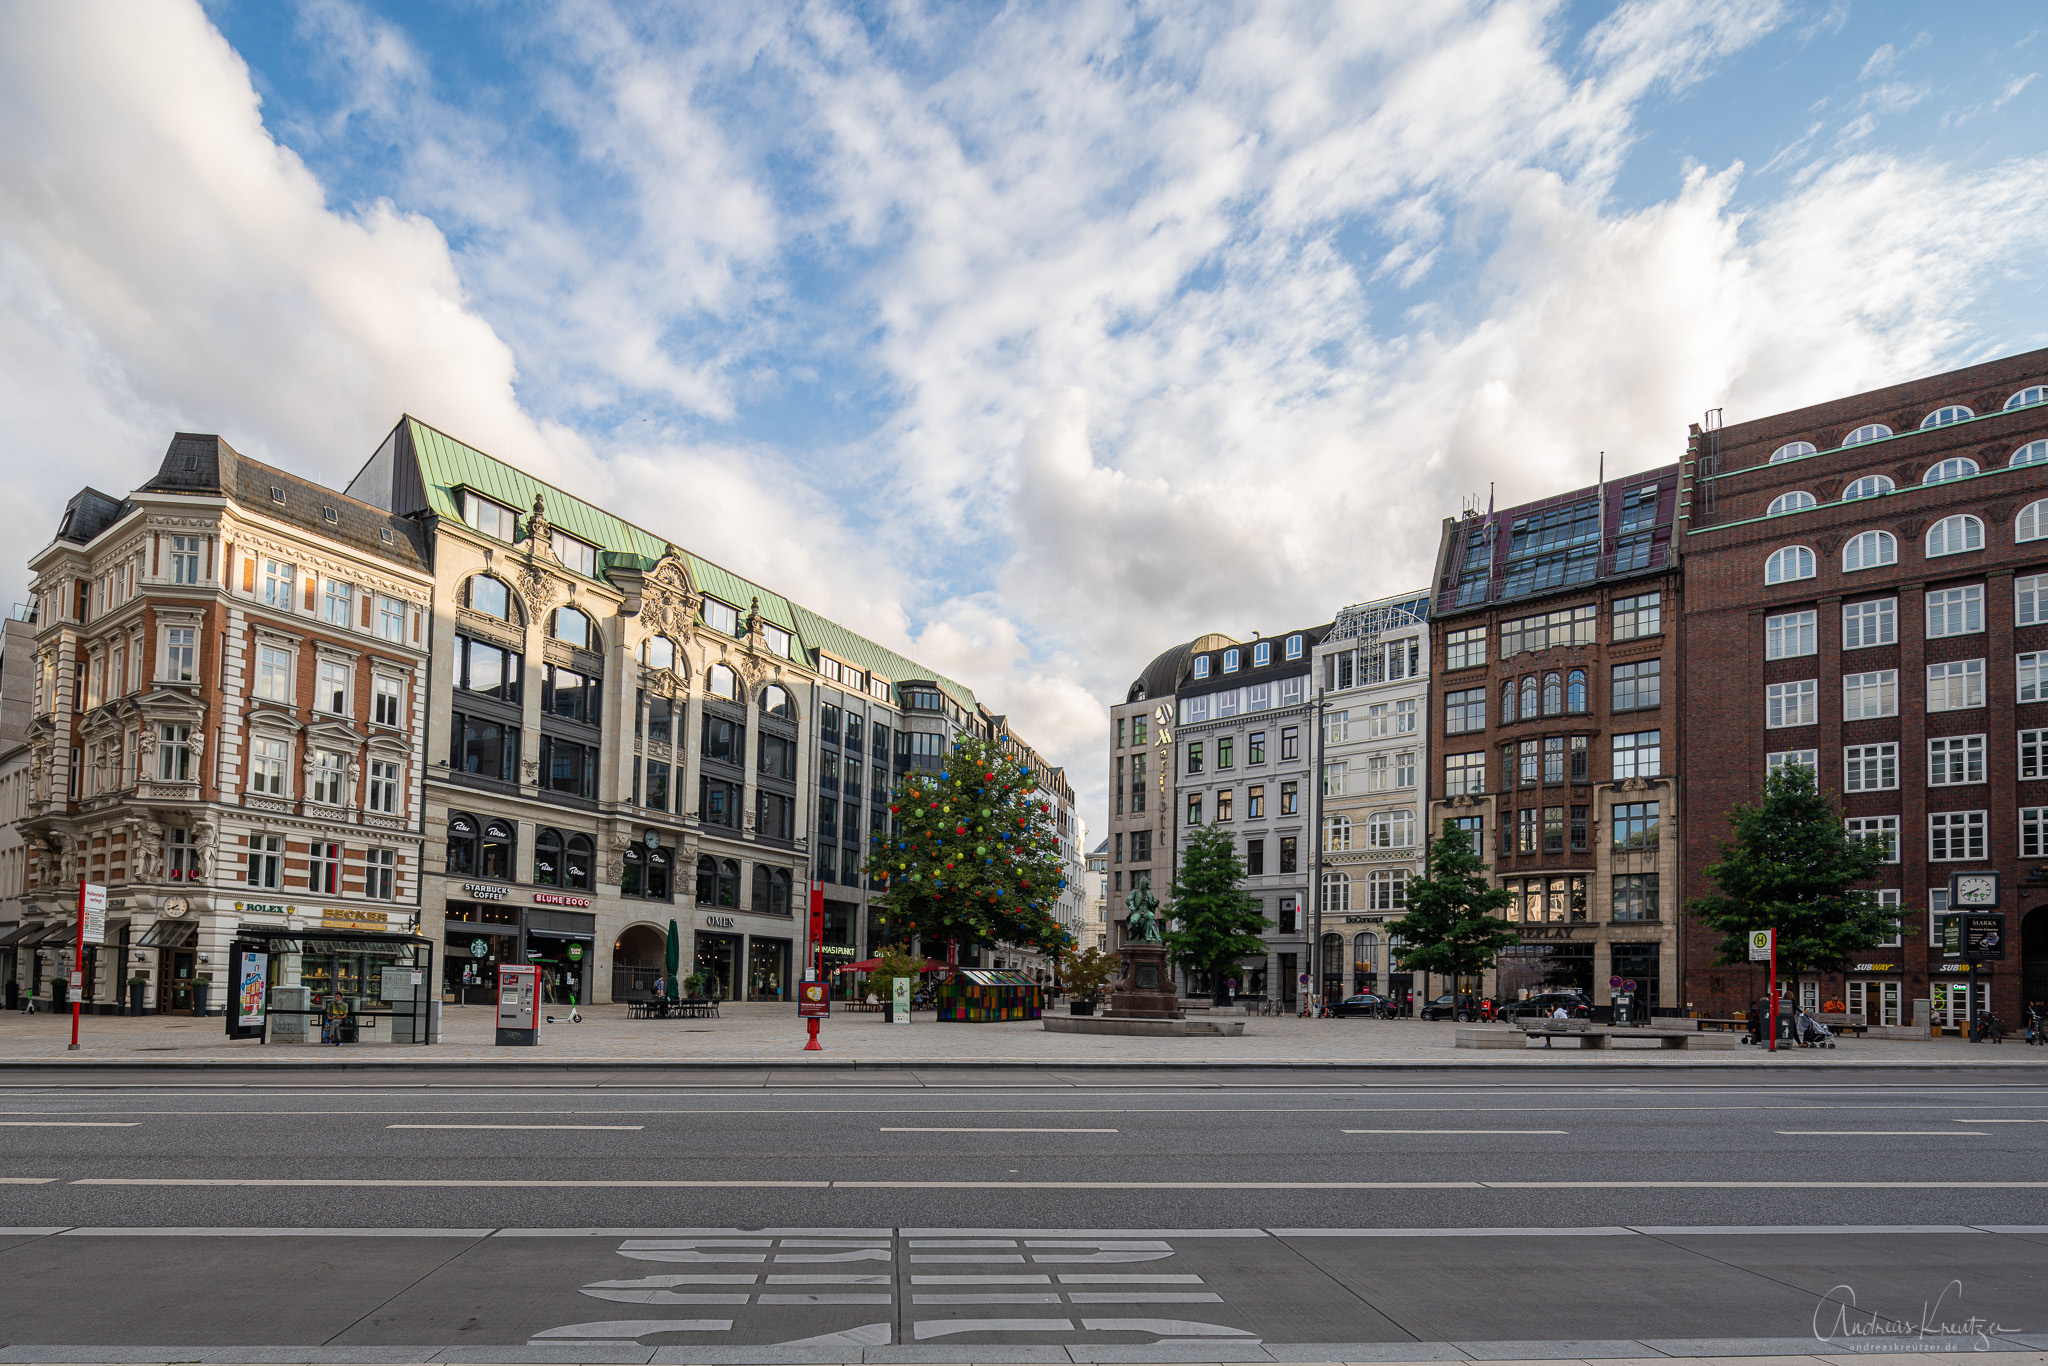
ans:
x=1614 y=982
x=1629 y=986
x=1760 y=943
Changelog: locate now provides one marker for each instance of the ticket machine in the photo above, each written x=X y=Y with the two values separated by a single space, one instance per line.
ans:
x=518 y=1003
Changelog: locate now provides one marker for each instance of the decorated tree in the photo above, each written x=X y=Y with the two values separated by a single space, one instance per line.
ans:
x=1216 y=923
x=973 y=859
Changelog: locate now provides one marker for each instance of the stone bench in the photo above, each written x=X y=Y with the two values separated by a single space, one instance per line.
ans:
x=1588 y=1035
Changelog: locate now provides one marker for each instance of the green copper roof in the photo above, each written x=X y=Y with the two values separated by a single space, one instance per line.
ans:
x=447 y=465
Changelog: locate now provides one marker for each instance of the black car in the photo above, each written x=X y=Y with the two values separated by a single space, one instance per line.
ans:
x=1449 y=1007
x=1365 y=1003
x=1576 y=1005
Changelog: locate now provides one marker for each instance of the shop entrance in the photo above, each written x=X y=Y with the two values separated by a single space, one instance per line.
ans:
x=1877 y=1002
x=2034 y=961
x=639 y=958
x=1526 y=969
x=1290 y=972
x=718 y=960
x=768 y=970
x=564 y=965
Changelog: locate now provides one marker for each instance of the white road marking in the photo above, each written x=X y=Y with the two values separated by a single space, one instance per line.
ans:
x=1454 y=1131
x=634 y=1128
x=956 y=1129
x=628 y=1330
x=986 y=1297
x=1126 y=1278
x=1880 y=1133
x=981 y=1280
x=1999 y=1121
x=392 y=1183
x=1171 y=1328
x=955 y=1258
x=940 y=1328
x=799 y=1298
x=467 y=1183
x=67 y=1124
x=665 y=1296
x=27 y=1180
x=1143 y=1297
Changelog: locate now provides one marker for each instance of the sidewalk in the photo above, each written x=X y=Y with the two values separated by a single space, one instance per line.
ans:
x=757 y=1033
x=1726 y=1352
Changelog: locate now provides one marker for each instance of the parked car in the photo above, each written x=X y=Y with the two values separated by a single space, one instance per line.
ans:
x=1449 y=1007
x=1576 y=1004
x=1365 y=1003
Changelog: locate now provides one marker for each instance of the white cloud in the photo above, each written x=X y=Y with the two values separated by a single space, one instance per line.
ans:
x=1169 y=320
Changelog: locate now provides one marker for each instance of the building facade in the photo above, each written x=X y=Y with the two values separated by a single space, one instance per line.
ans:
x=1371 y=675
x=1867 y=595
x=1142 y=765
x=227 y=724
x=1245 y=743
x=1554 y=635
x=17 y=706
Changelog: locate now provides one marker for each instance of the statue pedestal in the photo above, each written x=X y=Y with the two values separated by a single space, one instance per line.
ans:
x=1145 y=992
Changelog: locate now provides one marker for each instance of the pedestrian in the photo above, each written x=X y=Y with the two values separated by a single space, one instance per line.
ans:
x=660 y=985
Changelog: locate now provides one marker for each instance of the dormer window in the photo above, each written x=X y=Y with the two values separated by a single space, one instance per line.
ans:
x=1230 y=661
x=492 y=519
x=330 y=516
x=1201 y=666
x=1294 y=647
x=720 y=617
x=574 y=554
x=276 y=494
x=1262 y=654
x=829 y=667
x=777 y=638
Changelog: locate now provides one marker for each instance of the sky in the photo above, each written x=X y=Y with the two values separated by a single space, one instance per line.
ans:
x=1028 y=339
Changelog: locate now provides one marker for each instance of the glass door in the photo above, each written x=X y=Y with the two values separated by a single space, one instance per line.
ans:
x=176 y=981
x=1877 y=1002
x=1952 y=1003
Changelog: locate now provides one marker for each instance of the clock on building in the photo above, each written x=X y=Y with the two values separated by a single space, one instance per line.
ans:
x=1973 y=891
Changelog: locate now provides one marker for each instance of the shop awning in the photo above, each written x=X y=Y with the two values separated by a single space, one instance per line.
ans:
x=49 y=934
x=169 y=934
x=10 y=935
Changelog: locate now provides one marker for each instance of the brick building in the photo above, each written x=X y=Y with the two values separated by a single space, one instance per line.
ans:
x=226 y=720
x=1867 y=594
x=1552 y=638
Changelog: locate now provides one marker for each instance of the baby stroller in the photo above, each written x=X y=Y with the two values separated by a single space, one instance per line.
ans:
x=1811 y=1033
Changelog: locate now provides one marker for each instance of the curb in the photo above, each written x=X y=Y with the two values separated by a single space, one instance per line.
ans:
x=990 y=1065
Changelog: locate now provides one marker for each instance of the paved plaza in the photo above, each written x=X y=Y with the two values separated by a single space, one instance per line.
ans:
x=766 y=1032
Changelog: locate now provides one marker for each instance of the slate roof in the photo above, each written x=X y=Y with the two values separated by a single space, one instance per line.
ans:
x=446 y=466
x=204 y=464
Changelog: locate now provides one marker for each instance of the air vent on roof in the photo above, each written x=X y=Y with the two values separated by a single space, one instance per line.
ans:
x=330 y=514
x=276 y=494
x=191 y=462
x=386 y=534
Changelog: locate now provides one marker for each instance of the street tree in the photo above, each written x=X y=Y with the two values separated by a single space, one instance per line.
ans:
x=1452 y=926
x=973 y=859
x=1793 y=867
x=1216 y=923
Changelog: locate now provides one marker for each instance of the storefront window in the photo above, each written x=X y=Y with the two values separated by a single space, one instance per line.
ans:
x=768 y=969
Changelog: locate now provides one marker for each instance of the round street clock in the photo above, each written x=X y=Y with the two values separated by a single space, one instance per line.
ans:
x=1975 y=890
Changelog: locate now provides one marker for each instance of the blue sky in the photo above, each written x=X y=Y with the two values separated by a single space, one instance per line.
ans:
x=1028 y=339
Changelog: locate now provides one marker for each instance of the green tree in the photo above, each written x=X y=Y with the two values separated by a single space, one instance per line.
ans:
x=1086 y=972
x=1215 y=923
x=971 y=859
x=1451 y=927
x=1792 y=866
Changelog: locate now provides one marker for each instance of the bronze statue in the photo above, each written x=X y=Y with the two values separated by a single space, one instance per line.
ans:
x=1142 y=925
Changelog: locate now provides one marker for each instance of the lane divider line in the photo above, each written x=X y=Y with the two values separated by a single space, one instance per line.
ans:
x=906 y=1129
x=68 y=1124
x=413 y=1183
x=1453 y=1131
x=635 y=1128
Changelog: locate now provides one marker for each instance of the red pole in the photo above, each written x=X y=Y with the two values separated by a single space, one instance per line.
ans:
x=1772 y=1024
x=813 y=1045
x=78 y=966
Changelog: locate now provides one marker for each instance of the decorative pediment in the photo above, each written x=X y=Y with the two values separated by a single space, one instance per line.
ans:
x=333 y=734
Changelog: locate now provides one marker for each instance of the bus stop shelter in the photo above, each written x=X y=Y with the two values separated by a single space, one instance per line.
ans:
x=374 y=986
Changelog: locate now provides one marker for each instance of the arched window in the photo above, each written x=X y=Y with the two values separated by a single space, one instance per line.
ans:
x=1390 y=829
x=1262 y=654
x=500 y=849
x=723 y=682
x=464 y=838
x=1955 y=467
x=1869 y=550
x=1336 y=897
x=1791 y=450
x=490 y=597
x=1528 y=696
x=1365 y=957
x=771 y=890
x=649 y=872
x=2033 y=453
x=707 y=880
x=1333 y=964
x=547 y=857
x=1575 y=691
x=775 y=700
x=1230 y=660
x=1386 y=889
x=1337 y=833
x=572 y=626
x=2032 y=523
x=1945 y=415
x=1796 y=501
x=577 y=860
x=1954 y=535
x=760 y=901
x=1553 y=694
x=1793 y=562
x=718 y=881
x=1507 y=703
x=658 y=652
x=1868 y=432
x=2028 y=397
x=1201 y=666
x=1869 y=486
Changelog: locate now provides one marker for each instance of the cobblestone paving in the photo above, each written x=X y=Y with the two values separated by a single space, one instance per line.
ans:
x=762 y=1033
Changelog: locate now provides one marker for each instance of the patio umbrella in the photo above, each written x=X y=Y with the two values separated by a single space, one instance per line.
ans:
x=672 y=954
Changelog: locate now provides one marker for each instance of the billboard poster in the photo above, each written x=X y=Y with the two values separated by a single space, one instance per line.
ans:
x=252 y=981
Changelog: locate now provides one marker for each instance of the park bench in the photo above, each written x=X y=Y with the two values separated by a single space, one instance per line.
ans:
x=1588 y=1035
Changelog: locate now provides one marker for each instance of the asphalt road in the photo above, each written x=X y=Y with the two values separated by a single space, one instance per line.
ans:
x=886 y=1213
